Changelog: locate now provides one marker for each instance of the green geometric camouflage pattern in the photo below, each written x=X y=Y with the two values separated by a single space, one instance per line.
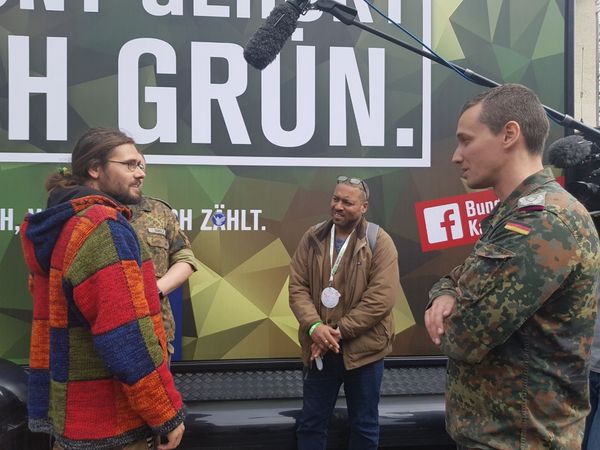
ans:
x=158 y=228
x=519 y=338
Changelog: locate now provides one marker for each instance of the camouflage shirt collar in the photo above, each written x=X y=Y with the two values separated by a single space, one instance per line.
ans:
x=137 y=208
x=144 y=205
x=530 y=184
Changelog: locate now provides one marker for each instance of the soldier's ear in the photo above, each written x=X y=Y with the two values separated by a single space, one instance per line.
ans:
x=511 y=133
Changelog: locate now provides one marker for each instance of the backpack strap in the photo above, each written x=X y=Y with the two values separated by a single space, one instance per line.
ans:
x=371 y=233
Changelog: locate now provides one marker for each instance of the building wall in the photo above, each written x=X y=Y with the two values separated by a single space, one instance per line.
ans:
x=586 y=62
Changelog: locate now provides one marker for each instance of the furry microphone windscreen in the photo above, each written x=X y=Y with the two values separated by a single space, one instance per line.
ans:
x=569 y=151
x=264 y=46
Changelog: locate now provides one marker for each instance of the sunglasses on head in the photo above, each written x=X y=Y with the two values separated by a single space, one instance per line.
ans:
x=356 y=182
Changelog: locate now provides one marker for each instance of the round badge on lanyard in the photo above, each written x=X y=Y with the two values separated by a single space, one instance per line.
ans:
x=330 y=297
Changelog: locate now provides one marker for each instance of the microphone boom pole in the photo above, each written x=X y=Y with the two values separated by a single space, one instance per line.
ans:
x=347 y=15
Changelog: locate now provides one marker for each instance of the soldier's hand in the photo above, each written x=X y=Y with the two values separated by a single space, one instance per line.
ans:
x=173 y=438
x=327 y=337
x=441 y=308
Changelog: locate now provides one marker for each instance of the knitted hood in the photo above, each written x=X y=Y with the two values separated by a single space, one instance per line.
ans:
x=40 y=231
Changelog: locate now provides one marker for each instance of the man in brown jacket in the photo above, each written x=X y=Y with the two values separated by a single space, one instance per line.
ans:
x=344 y=280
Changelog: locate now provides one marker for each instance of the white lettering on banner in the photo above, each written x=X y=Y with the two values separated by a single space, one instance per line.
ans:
x=267 y=7
x=223 y=219
x=226 y=94
x=228 y=100
x=206 y=221
x=395 y=10
x=6 y=219
x=50 y=5
x=218 y=218
x=175 y=7
x=474 y=227
x=165 y=98
x=21 y=85
x=479 y=208
x=243 y=9
x=156 y=9
x=90 y=6
x=185 y=219
x=305 y=101
x=201 y=8
x=207 y=10
x=369 y=120
x=57 y=5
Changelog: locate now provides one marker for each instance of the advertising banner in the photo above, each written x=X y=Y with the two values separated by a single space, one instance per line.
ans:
x=248 y=159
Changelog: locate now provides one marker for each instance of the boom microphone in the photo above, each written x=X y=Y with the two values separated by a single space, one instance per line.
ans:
x=569 y=151
x=264 y=45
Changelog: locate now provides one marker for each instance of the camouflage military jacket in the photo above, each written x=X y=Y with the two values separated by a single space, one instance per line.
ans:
x=519 y=338
x=157 y=227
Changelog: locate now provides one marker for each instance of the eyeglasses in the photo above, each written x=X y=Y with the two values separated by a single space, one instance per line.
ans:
x=131 y=165
x=356 y=182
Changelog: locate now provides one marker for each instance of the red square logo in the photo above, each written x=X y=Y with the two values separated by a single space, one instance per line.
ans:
x=453 y=221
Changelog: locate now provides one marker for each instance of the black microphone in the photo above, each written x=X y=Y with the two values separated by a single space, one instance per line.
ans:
x=569 y=151
x=264 y=45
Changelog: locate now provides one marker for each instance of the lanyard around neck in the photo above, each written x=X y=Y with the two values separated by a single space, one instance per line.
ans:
x=336 y=265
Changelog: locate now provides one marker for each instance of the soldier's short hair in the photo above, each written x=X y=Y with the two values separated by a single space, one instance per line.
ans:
x=513 y=102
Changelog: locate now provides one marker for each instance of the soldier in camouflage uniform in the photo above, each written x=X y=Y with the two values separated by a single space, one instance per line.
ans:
x=174 y=262
x=516 y=319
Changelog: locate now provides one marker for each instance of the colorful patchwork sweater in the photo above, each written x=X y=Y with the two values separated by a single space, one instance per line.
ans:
x=98 y=374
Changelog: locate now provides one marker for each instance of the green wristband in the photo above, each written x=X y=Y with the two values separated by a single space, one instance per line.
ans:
x=313 y=326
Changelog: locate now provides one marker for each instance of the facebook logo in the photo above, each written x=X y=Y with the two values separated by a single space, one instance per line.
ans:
x=443 y=223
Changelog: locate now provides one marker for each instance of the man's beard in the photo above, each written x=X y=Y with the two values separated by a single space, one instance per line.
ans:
x=126 y=198
x=348 y=224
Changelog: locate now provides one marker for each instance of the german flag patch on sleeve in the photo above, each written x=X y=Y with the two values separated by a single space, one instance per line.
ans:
x=518 y=228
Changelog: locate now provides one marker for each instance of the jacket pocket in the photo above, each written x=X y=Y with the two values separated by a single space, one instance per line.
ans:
x=482 y=268
x=372 y=341
x=159 y=249
x=155 y=241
